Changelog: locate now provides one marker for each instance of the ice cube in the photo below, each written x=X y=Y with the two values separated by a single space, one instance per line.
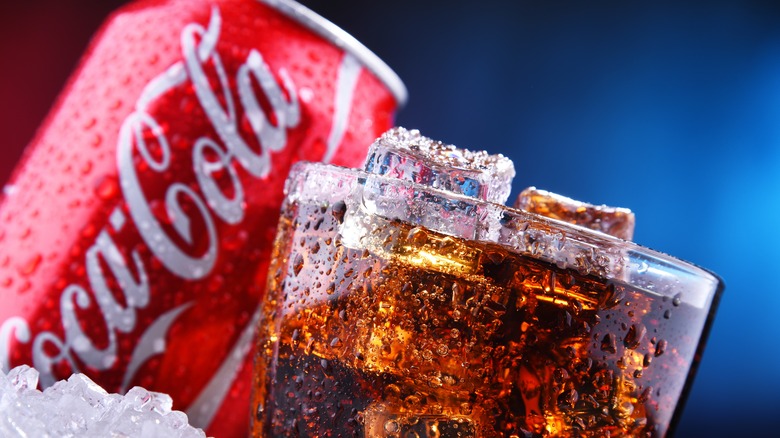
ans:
x=615 y=221
x=80 y=407
x=23 y=377
x=425 y=183
x=406 y=155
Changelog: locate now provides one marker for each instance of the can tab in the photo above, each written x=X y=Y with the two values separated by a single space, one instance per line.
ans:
x=615 y=221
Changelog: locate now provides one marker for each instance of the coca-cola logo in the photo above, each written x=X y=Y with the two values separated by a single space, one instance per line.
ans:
x=212 y=202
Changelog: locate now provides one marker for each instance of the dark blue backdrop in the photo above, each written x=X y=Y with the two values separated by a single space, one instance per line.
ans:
x=669 y=108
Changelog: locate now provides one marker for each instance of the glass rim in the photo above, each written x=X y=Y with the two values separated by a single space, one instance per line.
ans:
x=554 y=241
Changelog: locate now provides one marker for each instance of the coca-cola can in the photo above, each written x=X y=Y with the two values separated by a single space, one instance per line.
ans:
x=136 y=231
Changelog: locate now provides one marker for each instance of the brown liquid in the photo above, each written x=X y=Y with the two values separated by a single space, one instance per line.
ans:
x=425 y=335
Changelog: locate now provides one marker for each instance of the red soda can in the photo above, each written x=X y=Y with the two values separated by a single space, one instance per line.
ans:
x=136 y=231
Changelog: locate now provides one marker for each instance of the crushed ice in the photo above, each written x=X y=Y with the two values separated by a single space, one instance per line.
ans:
x=78 y=407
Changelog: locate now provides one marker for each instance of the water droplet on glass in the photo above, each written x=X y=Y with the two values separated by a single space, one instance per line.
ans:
x=338 y=209
x=677 y=300
x=626 y=409
x=560 y=375
x=608 y=343
x=412 y=403
x=660 y=347
x=298 y=264
x=391 y=426
x=417 y=236
x=325 y=366
x=392 y=390
x=635 y=335
x=568 y=398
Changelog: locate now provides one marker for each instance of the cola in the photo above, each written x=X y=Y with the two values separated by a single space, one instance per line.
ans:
x=401 y=303
x=136 y=231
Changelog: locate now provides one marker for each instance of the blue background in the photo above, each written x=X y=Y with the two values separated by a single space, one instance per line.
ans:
x=669 y=108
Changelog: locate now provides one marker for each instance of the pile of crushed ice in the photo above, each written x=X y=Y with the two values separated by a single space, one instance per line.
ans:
x=78 y=407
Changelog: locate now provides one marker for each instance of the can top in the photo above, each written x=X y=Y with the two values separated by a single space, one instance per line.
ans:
x=344 y=41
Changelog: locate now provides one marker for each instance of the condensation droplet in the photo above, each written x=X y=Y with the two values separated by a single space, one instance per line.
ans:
x=338 y=209
x=107 y=188
x=298 y=264
x=636 y=333
x=626 y=409
x=31 y=266
x=608 y=343
x=660 y=347
x=391 y=426
x=96 y=140
x=417 y=236
x=325 y=366
x=412 y=403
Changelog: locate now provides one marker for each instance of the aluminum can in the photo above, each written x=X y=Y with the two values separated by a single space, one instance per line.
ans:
x=135 y=233
x=407 y=301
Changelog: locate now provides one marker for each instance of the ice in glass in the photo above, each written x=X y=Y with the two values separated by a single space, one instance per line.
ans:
x=405 y=300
